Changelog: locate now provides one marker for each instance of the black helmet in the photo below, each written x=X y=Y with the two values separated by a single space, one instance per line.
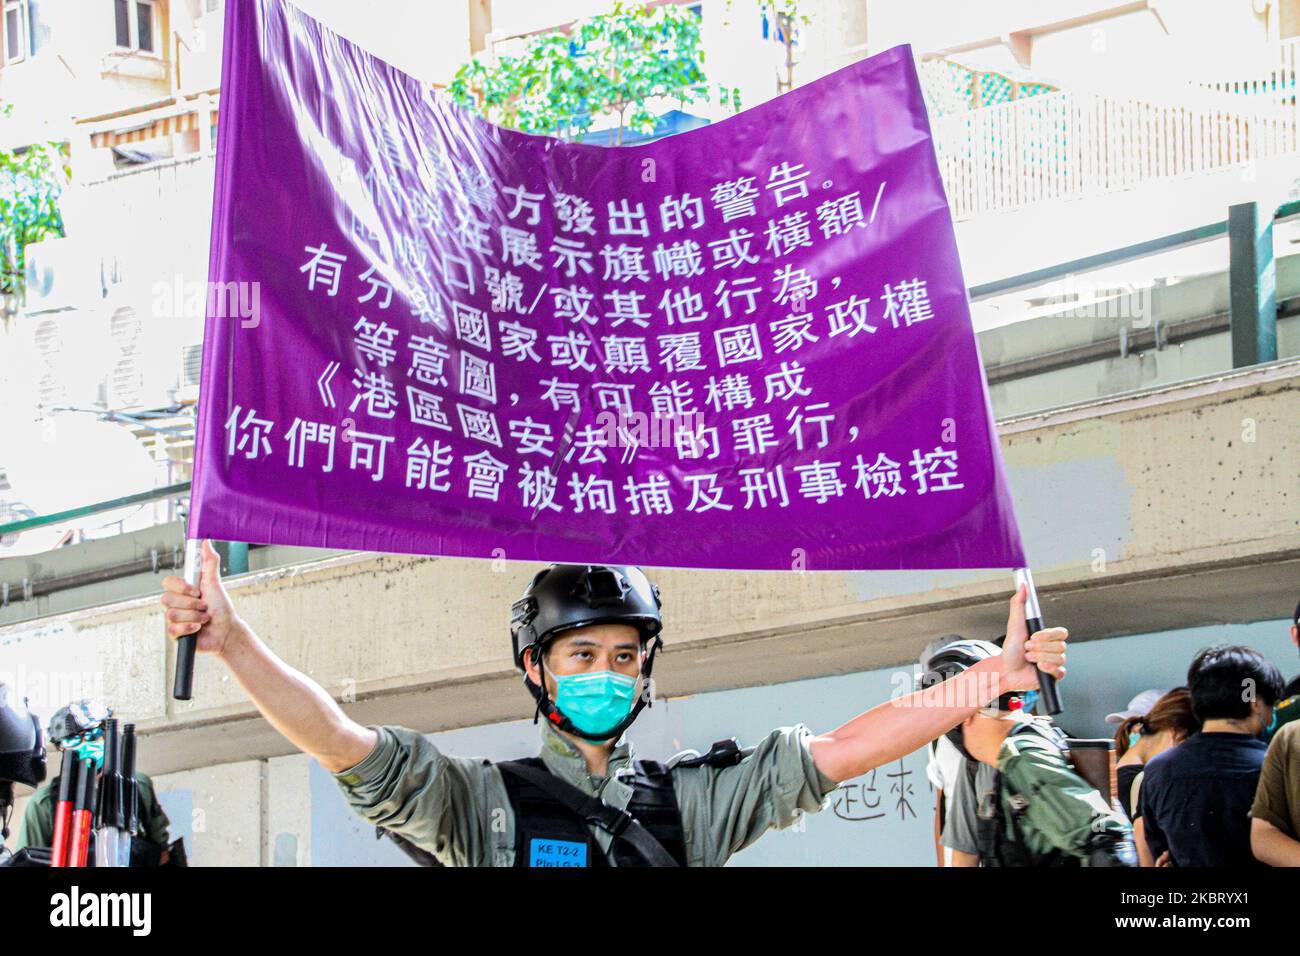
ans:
x=77 y=718
x=22 y=749
x=566 y=596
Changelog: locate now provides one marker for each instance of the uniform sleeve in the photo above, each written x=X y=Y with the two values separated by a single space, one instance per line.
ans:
x=1060 y=805
x=1270 y=798
x=726 y=809
x=155 y=818
x=407 y=785
x=960 y=823
x=37 y=828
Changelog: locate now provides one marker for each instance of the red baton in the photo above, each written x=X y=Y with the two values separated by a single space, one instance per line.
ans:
x=68 y=785
x=83 y=811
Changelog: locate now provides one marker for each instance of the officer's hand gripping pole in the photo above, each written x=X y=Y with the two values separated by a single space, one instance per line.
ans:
x=1047 y=692
x=187 y=646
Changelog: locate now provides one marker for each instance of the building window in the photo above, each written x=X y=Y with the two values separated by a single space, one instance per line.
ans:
x=133 y=25
x=122 y=11
x=16 y=33
x=144 y=26
x=23 y=31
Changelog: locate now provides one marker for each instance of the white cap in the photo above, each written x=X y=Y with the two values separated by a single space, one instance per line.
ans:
x=1139 y=706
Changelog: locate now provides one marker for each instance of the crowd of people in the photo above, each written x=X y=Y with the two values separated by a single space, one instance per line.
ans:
x=1208 y=774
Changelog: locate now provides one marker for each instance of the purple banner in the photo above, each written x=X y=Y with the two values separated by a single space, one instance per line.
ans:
x=745 y=346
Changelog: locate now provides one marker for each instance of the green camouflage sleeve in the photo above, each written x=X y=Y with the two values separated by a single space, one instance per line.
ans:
x=442 y=804
x=1063 y=810
x=726 y=809
x=37 y=828
x=154 y=819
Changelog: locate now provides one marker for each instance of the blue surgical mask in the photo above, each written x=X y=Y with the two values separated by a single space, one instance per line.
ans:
x=595 y=702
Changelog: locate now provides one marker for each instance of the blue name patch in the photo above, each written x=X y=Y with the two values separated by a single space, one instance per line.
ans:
x=557 y=853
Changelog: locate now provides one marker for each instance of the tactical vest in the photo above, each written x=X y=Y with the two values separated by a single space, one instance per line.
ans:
x=1001 y=840
x=999 y=834
x=549 y=834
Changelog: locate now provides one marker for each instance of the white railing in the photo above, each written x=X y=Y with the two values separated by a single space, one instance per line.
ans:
x=1072 y=145
x=1273 y=80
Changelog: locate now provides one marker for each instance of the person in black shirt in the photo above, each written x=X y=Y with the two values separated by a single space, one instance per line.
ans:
x=1196 y=798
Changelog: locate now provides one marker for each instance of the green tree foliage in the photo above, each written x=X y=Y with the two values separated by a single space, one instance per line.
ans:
x=613 y=65
x=30 y=184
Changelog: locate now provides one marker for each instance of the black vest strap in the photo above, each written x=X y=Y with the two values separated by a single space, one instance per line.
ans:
x=654 y=805
x=552 y=819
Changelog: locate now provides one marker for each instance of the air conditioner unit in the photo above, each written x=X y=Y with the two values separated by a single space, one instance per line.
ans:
x=60 y=276
x=137 y=374
x=51 y=360
x=125 y=385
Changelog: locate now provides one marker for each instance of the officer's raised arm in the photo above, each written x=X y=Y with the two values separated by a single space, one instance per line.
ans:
x=292 y=703
x=896 y=728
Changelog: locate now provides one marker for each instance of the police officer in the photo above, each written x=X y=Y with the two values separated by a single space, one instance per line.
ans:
x=22 y=757
x=585 y=638
x=1036 y=810
x=79 y=727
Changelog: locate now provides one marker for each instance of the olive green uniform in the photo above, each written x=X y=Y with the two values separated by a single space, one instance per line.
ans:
x=1047 y=810
x=38 y=820
x=458 y=808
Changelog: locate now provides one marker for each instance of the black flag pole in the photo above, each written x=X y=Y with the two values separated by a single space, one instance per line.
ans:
x=187 y=646
x=1047 y=692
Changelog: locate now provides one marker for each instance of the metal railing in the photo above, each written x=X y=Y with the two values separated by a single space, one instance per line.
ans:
x=1274 y=80
x=179 y=490
x=1078 y=144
